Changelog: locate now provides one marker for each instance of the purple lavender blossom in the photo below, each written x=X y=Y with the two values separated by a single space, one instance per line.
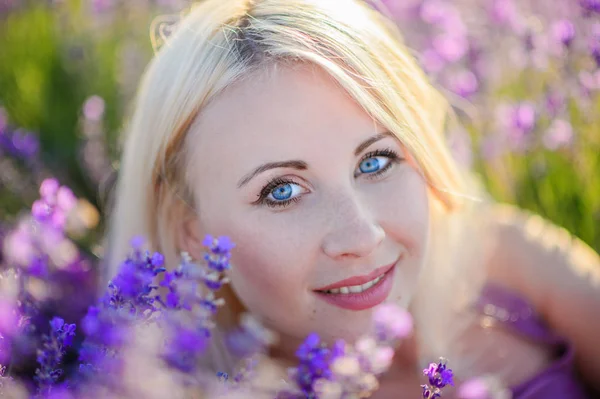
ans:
x=559 y=134
x=185 y=347
x=250 y=338
x=464 y=83
x=451 y=46
x=524 y=117
x=219 y=254
x=93 y=108
x=392 y=323
x=191 y=302
x=503 y=12
x=431 y=61
x=19 y=143
x=315 y=361
x=594 y=45
x=101 y=6
x=9 y=317
x=436 y=12
x=555 y=102
x=131 y=297
x=439 y=375
x=133 y=287
x=52 y=352
x=590 y=6
x=563 y=32
x=54 y=205
x=103 y=328
x=518 y=122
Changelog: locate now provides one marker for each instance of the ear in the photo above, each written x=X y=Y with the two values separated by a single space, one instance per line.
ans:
x=188 y=232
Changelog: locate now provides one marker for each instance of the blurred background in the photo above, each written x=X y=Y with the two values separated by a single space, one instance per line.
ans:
x=524 y=76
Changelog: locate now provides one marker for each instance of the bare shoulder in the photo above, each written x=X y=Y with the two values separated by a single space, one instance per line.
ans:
x=555 y=271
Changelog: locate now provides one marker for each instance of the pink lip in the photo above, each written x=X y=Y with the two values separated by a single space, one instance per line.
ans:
x=363 y=300
x=358 y=280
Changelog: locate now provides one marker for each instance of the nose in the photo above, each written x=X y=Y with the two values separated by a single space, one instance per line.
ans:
x=352 y=231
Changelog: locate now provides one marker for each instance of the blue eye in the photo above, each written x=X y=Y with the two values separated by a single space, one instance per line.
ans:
x=282 y=192
x=373 y=164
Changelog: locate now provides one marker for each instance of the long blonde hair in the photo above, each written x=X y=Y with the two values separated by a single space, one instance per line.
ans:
x=220 y=42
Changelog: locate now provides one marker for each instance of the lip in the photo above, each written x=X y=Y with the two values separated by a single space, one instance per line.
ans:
x=370 y=298
x=359 y=280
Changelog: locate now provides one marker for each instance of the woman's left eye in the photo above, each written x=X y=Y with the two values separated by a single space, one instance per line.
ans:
x=377 y=162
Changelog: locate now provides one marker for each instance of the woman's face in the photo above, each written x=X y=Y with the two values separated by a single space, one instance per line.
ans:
x=319 y=200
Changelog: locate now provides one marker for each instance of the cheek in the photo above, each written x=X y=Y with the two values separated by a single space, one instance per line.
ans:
x=268 y=275
x=403 y=211
x=404 y=215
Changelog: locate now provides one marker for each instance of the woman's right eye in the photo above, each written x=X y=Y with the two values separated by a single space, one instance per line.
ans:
x=279 y=193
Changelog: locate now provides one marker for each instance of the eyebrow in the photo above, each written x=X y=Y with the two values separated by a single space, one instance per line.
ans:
x=301 y=165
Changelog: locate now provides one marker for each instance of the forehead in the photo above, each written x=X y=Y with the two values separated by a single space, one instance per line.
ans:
x=283 y=112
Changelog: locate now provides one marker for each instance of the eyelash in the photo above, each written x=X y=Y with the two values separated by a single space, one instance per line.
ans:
x=264 y=193
x=266 y=190
x=386 y=152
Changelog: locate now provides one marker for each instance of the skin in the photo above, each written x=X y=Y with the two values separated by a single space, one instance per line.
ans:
x=346 y=222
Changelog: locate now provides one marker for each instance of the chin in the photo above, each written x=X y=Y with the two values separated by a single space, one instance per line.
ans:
x=347 y=329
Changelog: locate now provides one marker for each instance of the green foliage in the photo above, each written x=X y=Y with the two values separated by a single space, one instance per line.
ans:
x=54 y=57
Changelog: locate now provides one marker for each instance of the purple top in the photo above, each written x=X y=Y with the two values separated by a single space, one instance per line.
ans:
x=558 y=380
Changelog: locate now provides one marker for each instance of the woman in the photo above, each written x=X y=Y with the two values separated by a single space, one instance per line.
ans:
x=306 y=132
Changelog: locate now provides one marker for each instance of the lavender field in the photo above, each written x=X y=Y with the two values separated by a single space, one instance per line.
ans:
x=523 y=77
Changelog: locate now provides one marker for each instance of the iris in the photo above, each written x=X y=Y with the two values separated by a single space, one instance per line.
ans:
x=369 y=165
x=283 y=192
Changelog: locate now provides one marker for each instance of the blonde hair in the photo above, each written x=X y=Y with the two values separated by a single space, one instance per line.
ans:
x=220 y=42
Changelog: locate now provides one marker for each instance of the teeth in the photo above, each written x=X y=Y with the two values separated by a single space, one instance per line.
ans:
x=355 y=289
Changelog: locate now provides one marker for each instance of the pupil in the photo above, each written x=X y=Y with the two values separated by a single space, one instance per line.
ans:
x=369 y=165
x=282 y=192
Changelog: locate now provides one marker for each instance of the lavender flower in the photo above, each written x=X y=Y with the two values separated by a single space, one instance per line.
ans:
x=555 y=102
x=315 y=361
x=594 y=48
x=52 y=352
x=131 y=298
x=391 y=323
x=503 y=12
x=185 y=347
x=250 y=338
x=439 y=376
x=563 y=32
x=451 y=46
x=93 y=108
x=464 y=83
x=55 y=204
x=219 y=254
x=518 y=121
x=191 y=303
x=590 y=6
x=101 y=6
x=133 y=288
x=559 y=134
x=9 y=317
x=19 y=143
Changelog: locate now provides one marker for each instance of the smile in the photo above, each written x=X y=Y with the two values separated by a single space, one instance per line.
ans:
x=361 y=292
x=354 y=289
